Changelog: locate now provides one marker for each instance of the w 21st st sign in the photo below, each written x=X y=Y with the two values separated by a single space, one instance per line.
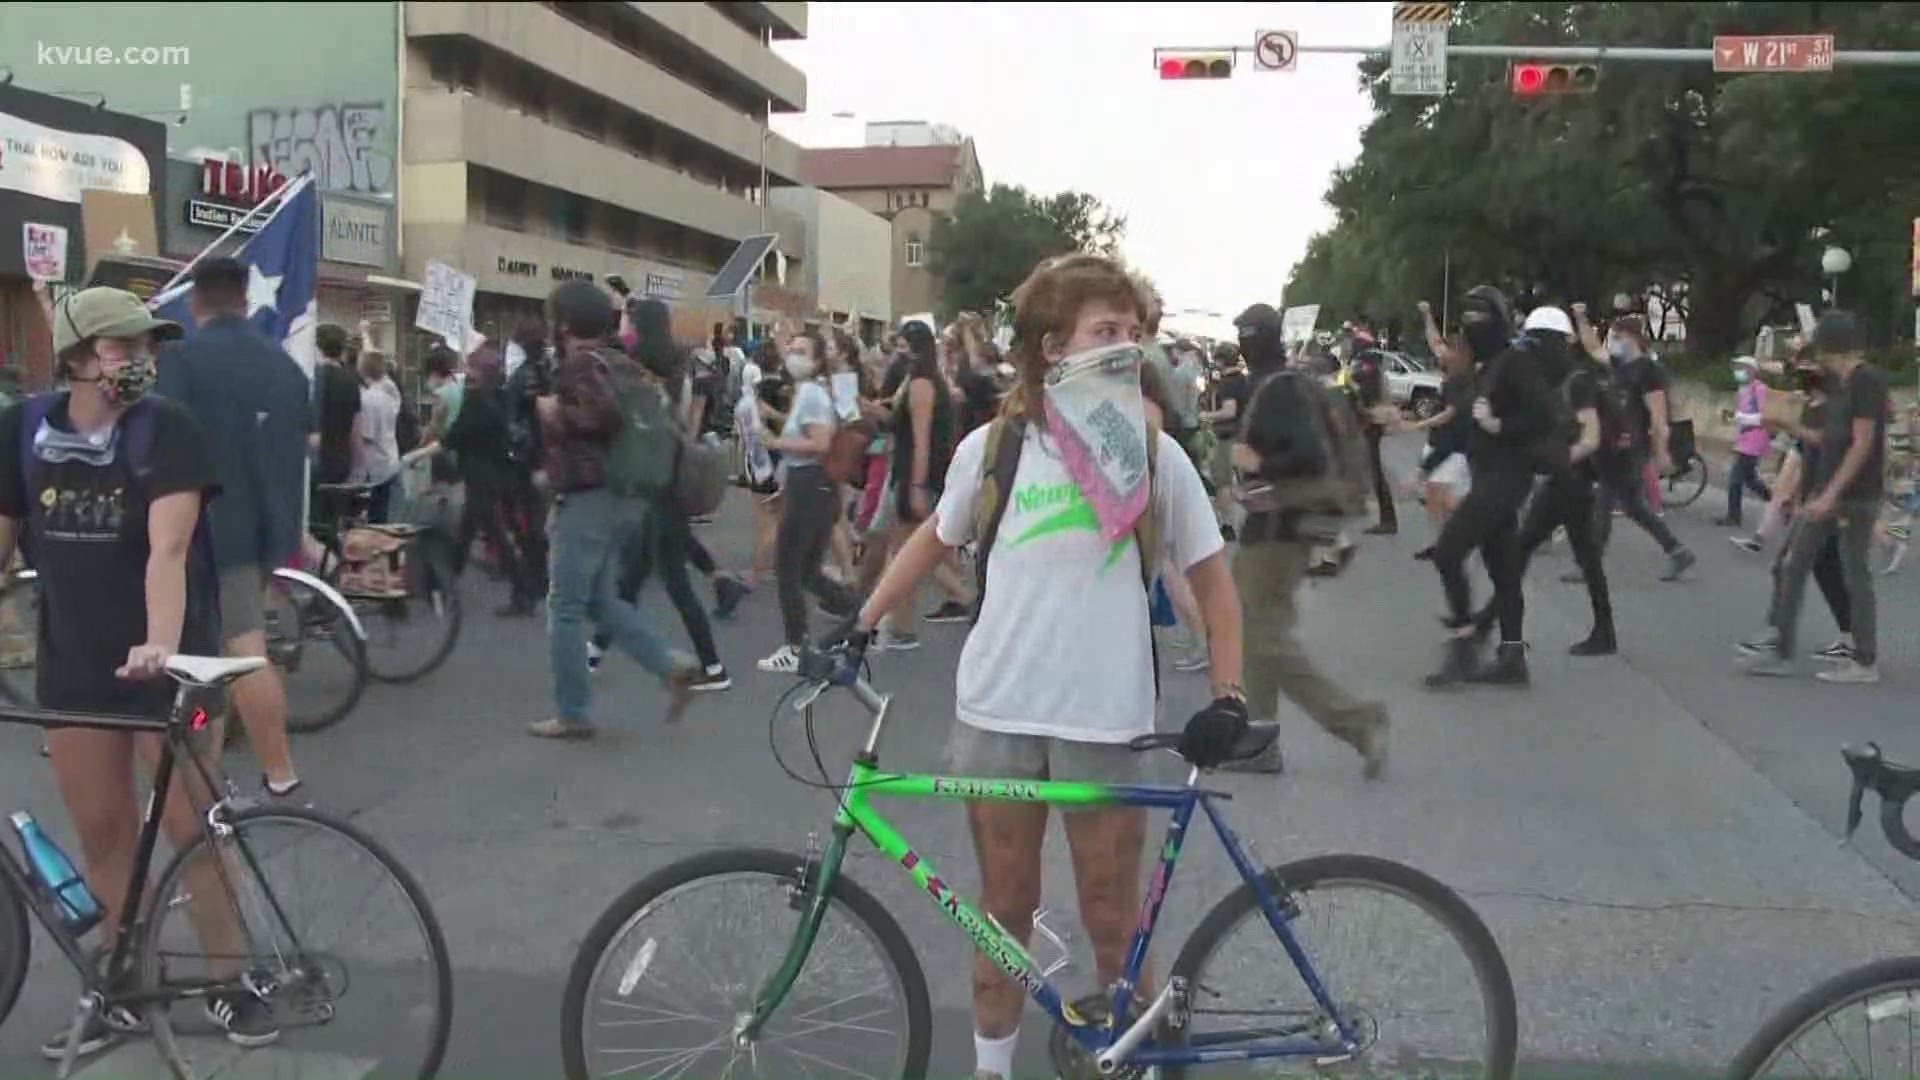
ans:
x=1738 y=54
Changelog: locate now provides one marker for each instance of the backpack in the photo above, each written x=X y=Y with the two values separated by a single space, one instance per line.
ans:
x=137 y=428
x=1314 y=466
x=700 y=477
x=645 y=455
x=1006 y=437
x=406 y=427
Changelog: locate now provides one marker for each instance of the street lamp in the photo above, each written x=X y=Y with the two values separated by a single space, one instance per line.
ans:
x=1833 y=262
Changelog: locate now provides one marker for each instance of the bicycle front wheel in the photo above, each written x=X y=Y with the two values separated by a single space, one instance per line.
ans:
x=16 y=944
x=1406 y=961
x=671 y=969
x=322 y=662
x=327 y=932
x=1858 y=1023
x=1686 y=485
x=410 y=636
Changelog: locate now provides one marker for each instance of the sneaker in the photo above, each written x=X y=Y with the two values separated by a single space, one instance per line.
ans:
x=1761 y=644
x=281 y=791
x=1771 y=666
x=894 y=641
x=1850 y=672
x=1726 y=522
x=953 y=611
x=728 y=591
x=784 y=661
x=1837 y=652
x=712 y=679
x=1425 y=554
x=595 y=654
x=556 y=728
x=1373 y=752
x=1749 y=544
x=1679 y=563
x=103 y=1029
x=246 y=1019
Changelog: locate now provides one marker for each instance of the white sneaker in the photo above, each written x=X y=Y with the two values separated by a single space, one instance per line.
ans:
x=894 y=641
x=595 y=654
x=1850 y=672
x=784 y=661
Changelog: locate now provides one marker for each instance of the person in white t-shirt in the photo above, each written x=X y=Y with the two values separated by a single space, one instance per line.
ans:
x=1058 y=674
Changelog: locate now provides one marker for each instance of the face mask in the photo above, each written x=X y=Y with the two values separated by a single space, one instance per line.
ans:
x=800 y=366
x=1485 y=337
x=130 y=383
x=1742 y=376
x=1622 y=349
x=1098 y=420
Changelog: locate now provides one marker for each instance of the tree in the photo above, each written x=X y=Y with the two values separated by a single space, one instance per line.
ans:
x=993 y=240
x=1668 y=178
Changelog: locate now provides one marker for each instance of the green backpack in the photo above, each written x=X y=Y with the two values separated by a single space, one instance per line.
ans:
x=646 y=452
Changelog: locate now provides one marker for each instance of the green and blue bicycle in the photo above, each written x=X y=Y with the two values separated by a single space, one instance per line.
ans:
x=758 y=963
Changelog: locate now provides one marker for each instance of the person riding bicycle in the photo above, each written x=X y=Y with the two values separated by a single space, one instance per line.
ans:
x=1059 y=674
x=103 y=487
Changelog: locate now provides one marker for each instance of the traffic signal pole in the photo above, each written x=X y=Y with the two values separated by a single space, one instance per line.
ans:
x=1589 y=53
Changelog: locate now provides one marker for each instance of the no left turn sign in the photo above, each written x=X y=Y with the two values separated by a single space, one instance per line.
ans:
x=1276 y=50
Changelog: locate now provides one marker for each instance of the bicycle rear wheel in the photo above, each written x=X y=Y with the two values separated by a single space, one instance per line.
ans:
x=1407 y=989
x=1859 y=1023
x=16 y=945
x=1688 y=483
x=410 y=636
x=322 y=662
x=280 y=907
x=669 y=970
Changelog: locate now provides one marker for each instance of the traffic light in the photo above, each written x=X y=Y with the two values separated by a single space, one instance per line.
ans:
x=1189 y=64
x=1531 y=78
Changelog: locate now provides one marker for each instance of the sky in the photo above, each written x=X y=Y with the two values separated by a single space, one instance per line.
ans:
x=1221 y=181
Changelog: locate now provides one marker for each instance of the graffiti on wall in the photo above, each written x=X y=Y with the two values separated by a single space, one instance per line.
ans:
x=347 y=145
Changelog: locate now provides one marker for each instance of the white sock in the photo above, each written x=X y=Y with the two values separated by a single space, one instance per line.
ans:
x=994 y=1055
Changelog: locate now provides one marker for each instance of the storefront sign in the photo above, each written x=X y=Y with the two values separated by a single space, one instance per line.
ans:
x=44 y=251
x=517 y=267
x=237 y=184
x=664 y=286
x=353 y=232
x=563 y=273
x=54 y=164
x=221 y=216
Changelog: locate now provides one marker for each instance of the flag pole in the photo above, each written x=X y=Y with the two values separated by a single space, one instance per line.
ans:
x=276 y=199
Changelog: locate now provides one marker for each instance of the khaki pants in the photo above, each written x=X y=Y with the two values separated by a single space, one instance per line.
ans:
x=1268 y=577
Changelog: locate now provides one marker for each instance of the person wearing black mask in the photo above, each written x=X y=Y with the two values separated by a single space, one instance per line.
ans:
x=1639 y=384
x=1566 y=459
x=1512 y=413
x=1369 y=380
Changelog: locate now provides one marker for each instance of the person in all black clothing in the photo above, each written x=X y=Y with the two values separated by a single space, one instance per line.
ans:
x=1232 y=390
x=1567 y=498
x=1639 y=384
x=1443 y=468
x=1512 y=413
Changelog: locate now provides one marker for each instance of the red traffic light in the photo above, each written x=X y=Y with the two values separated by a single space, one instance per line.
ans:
x=1529 y=78
x=1196 y=65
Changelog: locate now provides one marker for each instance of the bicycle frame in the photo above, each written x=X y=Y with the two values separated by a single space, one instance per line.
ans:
x=186 y=719
x=1004 y=949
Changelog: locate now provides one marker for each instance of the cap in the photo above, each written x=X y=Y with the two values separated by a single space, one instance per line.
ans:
x=1837 y=332
x=1549 y=317
x=1746 y=362
x=104 y=312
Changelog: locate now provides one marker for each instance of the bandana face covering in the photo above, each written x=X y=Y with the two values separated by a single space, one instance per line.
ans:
x=130 y=383
x=1098 y=419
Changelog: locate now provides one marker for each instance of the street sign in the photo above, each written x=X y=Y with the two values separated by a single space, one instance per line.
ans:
x=1745 y=53
x=1916 y=256
x=1276 y=50
x=1420 y=48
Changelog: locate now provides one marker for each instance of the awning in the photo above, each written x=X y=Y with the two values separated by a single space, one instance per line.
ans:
x=393 y=283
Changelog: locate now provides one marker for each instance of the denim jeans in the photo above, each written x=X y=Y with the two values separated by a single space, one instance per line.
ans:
x=1851 y=530
x=588 y=531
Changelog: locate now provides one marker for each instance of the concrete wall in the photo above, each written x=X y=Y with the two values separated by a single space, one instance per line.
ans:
x=296 y=85
x=849 y=248
x=724 y=42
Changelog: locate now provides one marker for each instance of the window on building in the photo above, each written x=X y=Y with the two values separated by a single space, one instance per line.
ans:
x=503 y=199
x=526 y=89
x=454 y=64
x=916 y=251
x=571 y=216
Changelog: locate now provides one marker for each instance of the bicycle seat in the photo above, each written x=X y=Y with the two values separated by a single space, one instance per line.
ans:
x=1250 y=745
x=212 y=670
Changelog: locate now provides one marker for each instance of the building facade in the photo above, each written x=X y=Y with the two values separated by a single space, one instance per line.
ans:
x=847 y=277
x=56 y=153
x=580 y=140
x=910 y=174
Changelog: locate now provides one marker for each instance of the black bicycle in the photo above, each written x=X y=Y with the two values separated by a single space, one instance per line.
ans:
x=1860 y=1023
x=399 y=578
x=267 y=903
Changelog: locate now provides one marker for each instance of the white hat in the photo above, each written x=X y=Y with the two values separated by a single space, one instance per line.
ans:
x=1747 y=362
x=1549 y=317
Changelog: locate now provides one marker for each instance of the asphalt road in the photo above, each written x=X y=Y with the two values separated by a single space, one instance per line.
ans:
x=1652 y=838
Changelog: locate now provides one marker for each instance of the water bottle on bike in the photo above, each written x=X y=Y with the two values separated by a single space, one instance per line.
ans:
x=56 y=877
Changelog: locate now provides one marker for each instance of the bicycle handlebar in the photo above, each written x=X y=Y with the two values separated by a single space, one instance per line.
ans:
x=1895 y=784
x=837 y=666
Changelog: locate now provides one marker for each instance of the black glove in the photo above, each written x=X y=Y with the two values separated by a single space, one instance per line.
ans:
x=847 y=639
x=1210 y=737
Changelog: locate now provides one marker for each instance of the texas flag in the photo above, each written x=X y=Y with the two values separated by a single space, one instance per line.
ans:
x=283 y=274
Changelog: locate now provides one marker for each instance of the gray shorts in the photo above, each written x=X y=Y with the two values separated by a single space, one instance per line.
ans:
x=973 y=751
x=242 y=601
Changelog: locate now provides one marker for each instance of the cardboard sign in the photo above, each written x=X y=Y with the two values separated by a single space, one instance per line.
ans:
x=446 y=303
x=44 y=250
